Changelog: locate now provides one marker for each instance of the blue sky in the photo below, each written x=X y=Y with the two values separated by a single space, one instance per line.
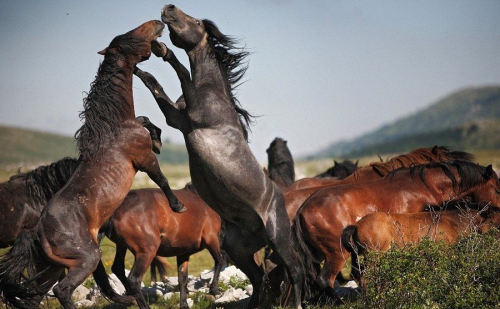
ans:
x=320 y=71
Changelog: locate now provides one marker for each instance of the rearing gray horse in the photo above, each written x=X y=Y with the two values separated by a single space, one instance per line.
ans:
x=223 y=168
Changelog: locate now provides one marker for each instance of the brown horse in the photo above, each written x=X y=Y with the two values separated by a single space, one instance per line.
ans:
x=147 y=227
x=223 y=168
x=380 y=230
x=24 y=196
x=113 y=146
x=320 y=221
x=380 y=169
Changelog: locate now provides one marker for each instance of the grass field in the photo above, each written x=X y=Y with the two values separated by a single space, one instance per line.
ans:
x=178 y=176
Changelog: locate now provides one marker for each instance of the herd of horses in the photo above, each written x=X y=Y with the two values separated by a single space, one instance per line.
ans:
x=54 y=216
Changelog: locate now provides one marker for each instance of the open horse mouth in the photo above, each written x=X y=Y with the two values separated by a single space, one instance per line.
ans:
x=159 y=30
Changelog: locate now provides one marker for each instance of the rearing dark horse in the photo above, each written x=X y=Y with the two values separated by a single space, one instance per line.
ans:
x=113 y=145
x=223 y=169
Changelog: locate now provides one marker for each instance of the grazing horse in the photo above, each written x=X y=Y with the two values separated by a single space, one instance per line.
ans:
x=280 y=163
x=23 y=197
x=223 y=169
x=147 y=227
x=113 y=146
x=380 y=169
x=380 y=230
x=321 y=219
x=340 y=170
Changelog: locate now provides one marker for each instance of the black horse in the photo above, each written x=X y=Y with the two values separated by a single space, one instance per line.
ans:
x=223 y=168
x=24 y=196
x=340 y=170
x=280 y=163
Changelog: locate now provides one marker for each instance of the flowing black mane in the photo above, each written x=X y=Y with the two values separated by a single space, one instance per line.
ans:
x=280 y=162
x=470 y=174
x=43 y=182
x=230 y=59
x=105 y=106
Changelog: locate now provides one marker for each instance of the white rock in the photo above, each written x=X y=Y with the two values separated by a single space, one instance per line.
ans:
x=207 y=275
x=190 y=302
x=232 y=295
x=231 y=271
x=85 y=303
x=351 y=284
x=153 y=291
x=174 y=281
x=116 y=284
x=249 y=289
x=94 y=294
x=80 y=293
x=169 y=295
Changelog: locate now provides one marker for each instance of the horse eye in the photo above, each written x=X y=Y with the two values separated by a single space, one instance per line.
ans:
x=497 y=191
x=198 y=22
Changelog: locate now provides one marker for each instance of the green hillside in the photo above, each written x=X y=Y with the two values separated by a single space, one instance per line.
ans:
x=24 y=146
x=484 y=135
x=452 y=112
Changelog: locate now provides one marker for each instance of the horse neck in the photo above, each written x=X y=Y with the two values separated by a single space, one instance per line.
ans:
x=444 y=184
x=206 y=69
x=123 y=81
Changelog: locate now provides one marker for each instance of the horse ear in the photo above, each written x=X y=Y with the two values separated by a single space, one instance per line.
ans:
x=489 y=172
x=335 y=162
x=357 y=161
x=435 y=150
x=102 y=52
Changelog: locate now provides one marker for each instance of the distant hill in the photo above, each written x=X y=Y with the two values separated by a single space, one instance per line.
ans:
x=443 y=123
x=25 y=146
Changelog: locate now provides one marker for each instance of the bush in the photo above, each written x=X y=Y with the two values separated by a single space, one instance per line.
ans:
x=436 y=275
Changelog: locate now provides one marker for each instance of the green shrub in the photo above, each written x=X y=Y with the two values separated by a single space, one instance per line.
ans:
x=436 y=275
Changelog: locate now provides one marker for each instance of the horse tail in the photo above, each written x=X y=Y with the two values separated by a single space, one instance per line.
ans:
x=20 y=289
x=102 y=281
x=351 y=243
x=310 y=261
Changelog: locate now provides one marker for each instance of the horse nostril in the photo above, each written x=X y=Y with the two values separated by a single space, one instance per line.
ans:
x=170 y=7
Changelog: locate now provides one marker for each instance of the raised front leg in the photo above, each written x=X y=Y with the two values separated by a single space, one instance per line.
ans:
x=172 y=111
x=187 y=85
x=150 y=166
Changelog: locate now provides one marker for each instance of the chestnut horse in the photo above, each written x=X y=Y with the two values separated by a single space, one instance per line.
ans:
x=223 y=169
x=321 y=219
x=380 y=230
x=24 y=196
x=380 y=169
x=113 y=146
x=147 y=227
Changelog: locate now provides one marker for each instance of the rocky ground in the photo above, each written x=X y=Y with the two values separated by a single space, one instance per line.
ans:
x=233 y=282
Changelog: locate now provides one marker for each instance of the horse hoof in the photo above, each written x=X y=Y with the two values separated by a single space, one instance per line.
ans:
x=156 y=146
x=179 y=208
x=159 y=48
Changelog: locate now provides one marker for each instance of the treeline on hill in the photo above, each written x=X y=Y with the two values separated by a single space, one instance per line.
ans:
x=467 y=119
x=24 y=146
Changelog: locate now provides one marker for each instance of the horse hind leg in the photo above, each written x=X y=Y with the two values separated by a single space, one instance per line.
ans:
x=241 y=250
x=141 y=264
x=81 y=265
x=280 y=239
